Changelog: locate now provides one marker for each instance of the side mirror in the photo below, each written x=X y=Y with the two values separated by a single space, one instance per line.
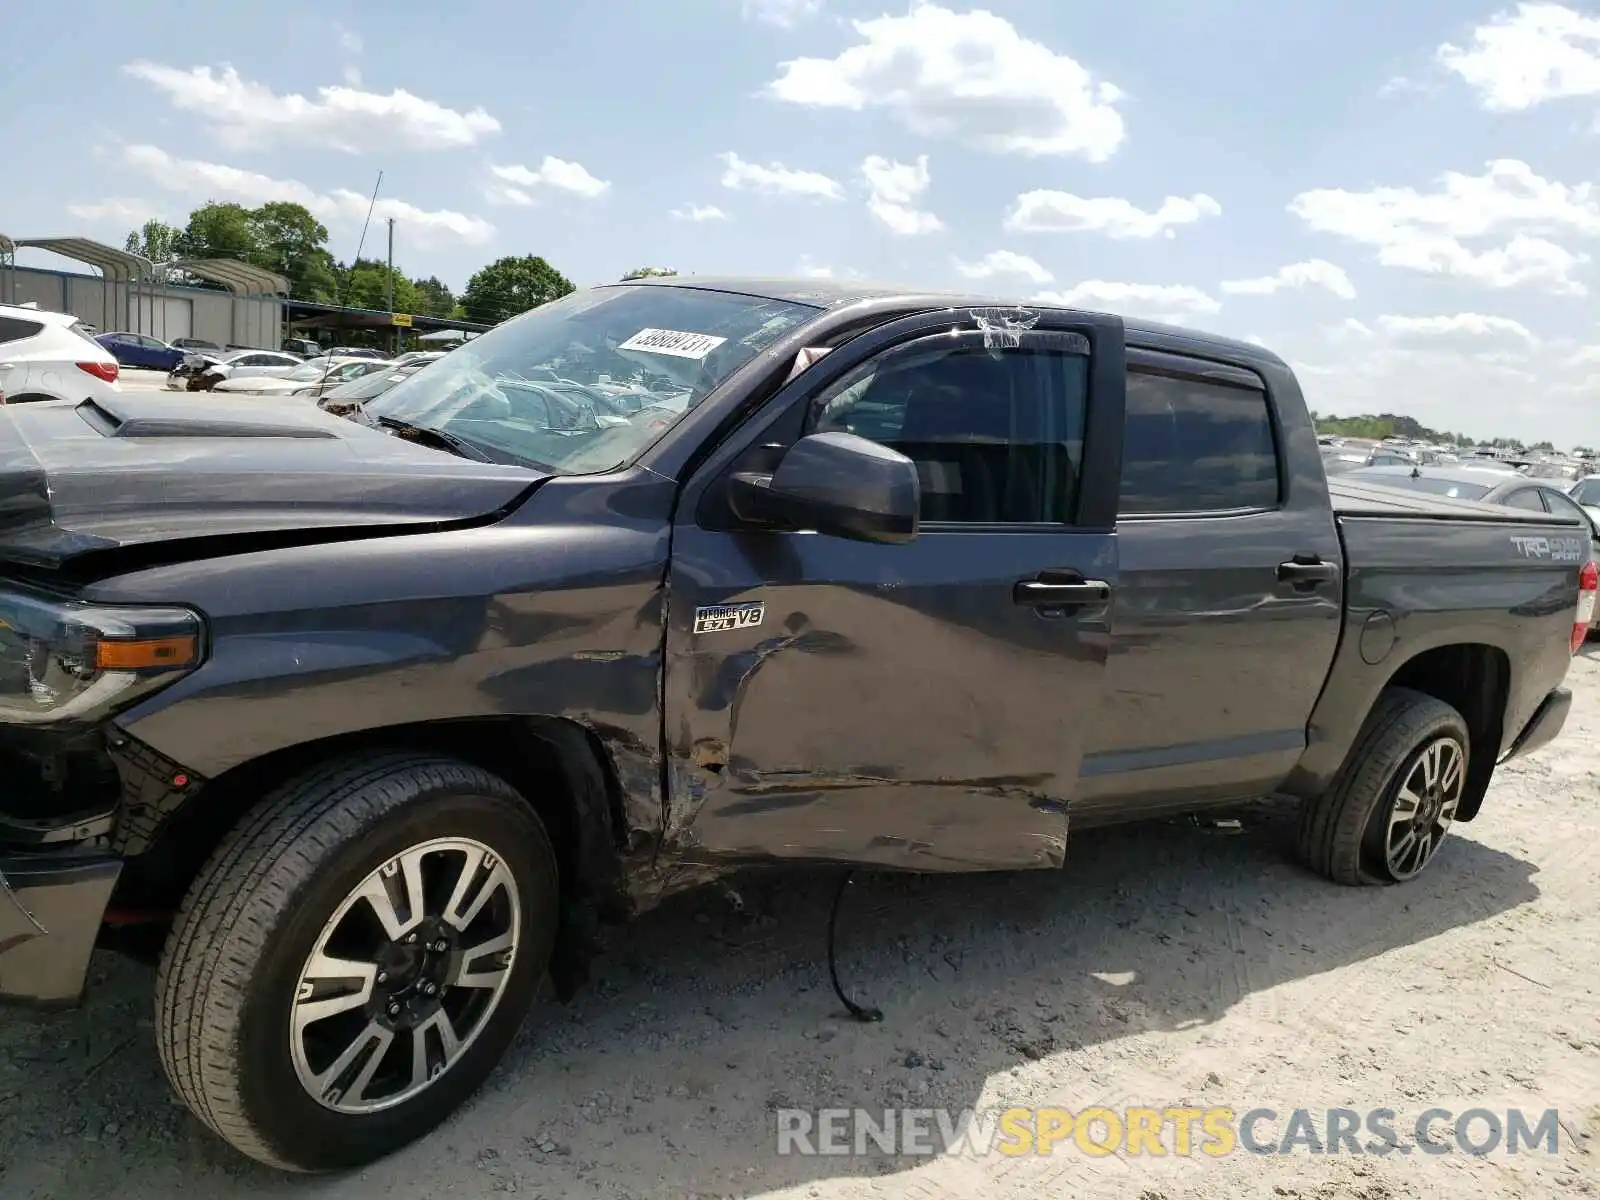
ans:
x=834 y=483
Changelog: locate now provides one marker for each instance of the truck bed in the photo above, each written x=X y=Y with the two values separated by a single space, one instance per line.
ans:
x=1351 y=499
x=1423 y=571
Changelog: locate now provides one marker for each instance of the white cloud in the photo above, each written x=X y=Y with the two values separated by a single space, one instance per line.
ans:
x=115 y=210
x=785 y=14
x=1173 y=303
x=971 y=77
x=775 y=179
x=893 y=189
x=1521 y=59
x=1472 y=325
x=1004 y=264
x=350 y=42
x=1401 y=85
x=812 y=269
x=1350 y=327
x=249 y=115
x=214 y=181
x=1043 y=211
x=517 y=184
x=699 y=212
x=1487 y=376
x=1429 y=231
x=1313 y=272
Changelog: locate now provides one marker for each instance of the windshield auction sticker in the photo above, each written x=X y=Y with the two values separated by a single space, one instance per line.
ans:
x=674 y=342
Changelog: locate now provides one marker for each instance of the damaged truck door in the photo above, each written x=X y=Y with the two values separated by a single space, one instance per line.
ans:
x=846 y=683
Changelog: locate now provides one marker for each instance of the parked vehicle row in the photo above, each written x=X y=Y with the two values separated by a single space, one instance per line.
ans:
x=374 y=713
x=203 y=372
x=151 y=353
x=310 y=378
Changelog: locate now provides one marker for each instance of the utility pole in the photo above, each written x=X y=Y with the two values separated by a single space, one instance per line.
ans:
x=389 y=279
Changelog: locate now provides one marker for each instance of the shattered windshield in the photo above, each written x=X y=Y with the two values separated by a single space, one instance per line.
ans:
x=588 y=382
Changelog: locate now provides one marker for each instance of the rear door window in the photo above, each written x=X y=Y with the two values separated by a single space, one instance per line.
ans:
x=14 y=329
x=1196 y=445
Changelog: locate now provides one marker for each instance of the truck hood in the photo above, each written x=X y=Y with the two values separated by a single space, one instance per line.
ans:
x=141 y=468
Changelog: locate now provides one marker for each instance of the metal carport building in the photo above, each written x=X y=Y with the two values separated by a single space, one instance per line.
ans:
x=132 y=294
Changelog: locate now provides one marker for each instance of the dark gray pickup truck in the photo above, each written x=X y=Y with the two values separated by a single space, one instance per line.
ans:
x=369 y=718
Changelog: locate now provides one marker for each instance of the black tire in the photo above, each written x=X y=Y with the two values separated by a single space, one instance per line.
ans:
x=228 y=976
x=1342 y=832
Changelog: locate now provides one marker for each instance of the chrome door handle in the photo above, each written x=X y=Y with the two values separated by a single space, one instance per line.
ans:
x=1041 y=594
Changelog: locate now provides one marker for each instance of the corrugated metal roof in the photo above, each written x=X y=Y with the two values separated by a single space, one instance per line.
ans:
x=114 y=263
x=240 y=278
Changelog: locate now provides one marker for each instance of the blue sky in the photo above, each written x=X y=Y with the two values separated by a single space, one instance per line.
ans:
x=1315 y=175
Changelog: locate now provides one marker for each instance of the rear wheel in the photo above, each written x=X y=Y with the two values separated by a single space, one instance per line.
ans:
x=1395 y=798
x=354 y=960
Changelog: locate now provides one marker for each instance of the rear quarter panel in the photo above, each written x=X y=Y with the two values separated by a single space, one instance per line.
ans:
x=1413 y=585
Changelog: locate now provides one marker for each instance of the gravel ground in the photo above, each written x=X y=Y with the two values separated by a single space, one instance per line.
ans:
x=137 y=379
x=1168 y=964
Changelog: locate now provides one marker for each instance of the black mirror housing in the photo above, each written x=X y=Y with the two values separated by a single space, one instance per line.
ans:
x=838 y=484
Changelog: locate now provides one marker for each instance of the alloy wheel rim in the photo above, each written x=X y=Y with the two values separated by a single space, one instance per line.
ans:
x=405 y=975
x=1425 y=806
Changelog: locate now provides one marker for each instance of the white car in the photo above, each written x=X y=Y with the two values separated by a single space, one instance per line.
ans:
x=246 y=364
x=307 y=379
x=51 y=357
x=1586 y=491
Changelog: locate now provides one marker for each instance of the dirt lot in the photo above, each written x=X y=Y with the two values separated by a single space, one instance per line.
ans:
x=1167 y=965
x=137 y=379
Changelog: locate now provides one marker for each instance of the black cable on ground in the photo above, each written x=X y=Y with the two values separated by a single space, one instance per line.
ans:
x=859 y=1011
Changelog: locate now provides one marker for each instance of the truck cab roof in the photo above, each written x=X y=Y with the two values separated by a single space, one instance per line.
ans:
x=829 y=294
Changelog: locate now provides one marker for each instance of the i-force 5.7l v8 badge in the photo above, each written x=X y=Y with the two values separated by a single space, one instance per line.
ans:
x=720 y=618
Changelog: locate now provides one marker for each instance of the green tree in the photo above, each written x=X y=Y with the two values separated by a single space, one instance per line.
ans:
x=155 y=240
x=292 y=242
x=365 y=285
x=648 y=273
x=220 y=231
x=1390 y=425
x=434 y=299
x=512 y=285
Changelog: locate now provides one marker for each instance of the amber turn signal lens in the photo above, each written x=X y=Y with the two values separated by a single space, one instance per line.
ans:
x=151 y=654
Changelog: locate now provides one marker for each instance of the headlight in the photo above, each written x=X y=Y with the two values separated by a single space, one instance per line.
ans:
x=61 y=660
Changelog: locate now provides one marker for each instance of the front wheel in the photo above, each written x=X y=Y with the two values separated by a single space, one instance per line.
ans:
x=355 y=959
x=1395 y=798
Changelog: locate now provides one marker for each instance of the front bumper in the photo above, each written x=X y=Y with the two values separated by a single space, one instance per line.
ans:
x=51 y=907
x=1545 y=724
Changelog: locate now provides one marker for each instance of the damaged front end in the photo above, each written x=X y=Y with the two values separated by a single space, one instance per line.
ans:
x=65 y=669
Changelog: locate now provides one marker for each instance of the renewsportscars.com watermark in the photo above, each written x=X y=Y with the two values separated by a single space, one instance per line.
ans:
x=1156 y=1132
